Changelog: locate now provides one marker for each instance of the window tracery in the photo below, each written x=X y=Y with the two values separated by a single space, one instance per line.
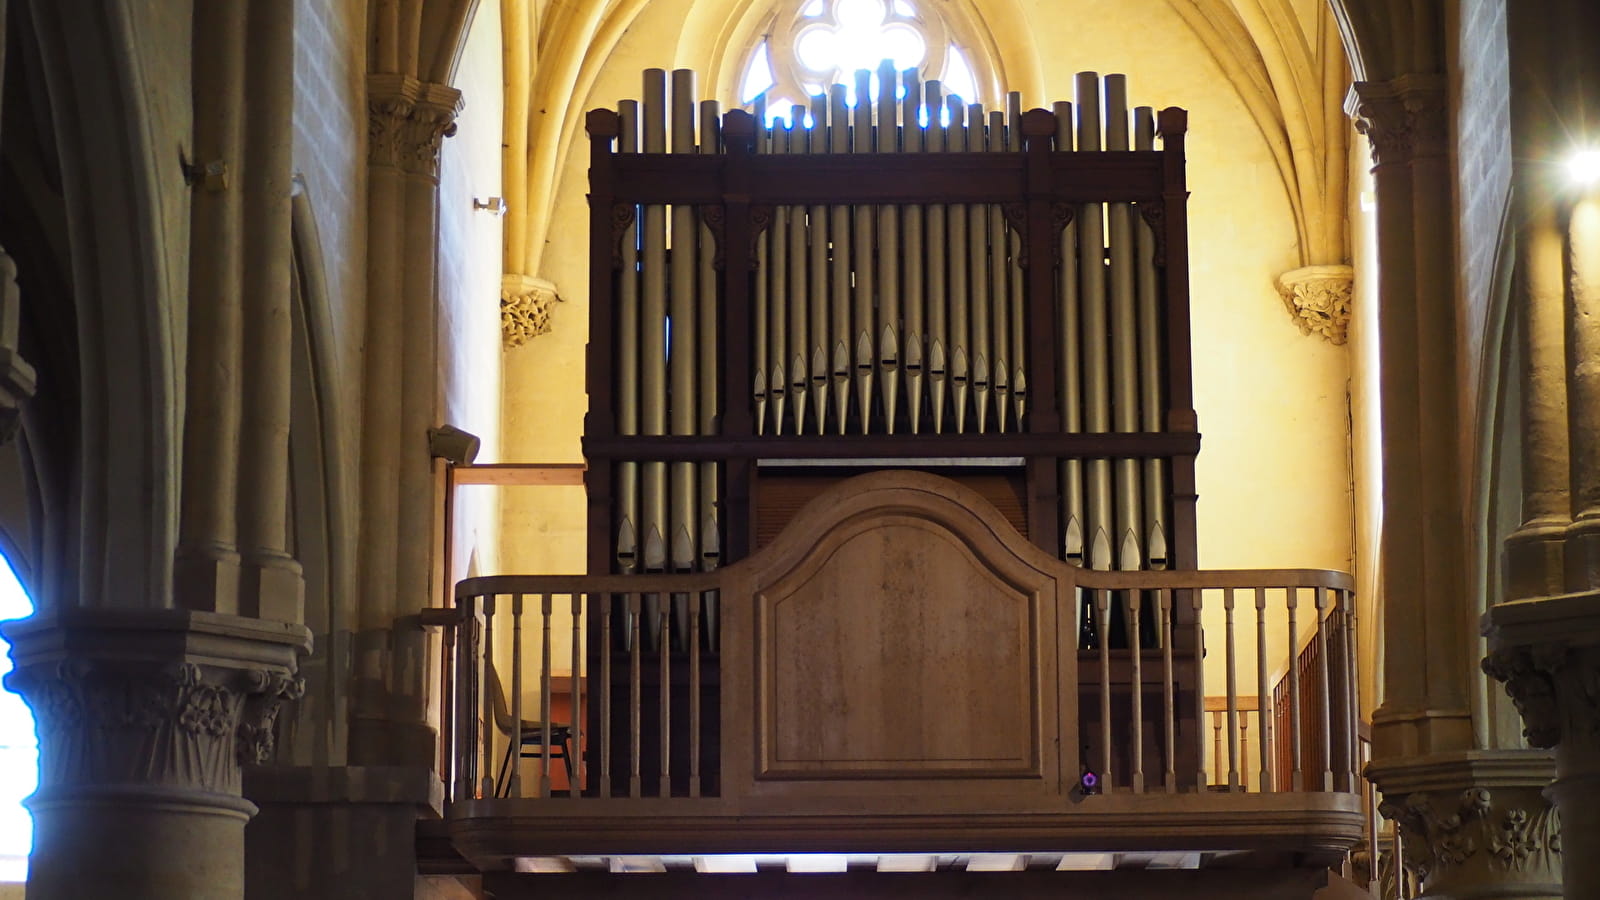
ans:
x=811 y=44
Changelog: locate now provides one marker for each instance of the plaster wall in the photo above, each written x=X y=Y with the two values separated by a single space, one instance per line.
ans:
x=469 y=281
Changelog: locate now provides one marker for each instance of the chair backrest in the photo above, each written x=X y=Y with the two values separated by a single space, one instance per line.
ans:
x=502 y=712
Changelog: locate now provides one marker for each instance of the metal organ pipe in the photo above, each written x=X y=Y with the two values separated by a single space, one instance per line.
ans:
x=1124 y=331
x=840 y=296
x=888 y=254
x=911 y=138
x=1068 y=365
x=938 y=336
x=1096 y=365
x=865 y=295
x=817 y=222
x=877 y=317
x=1150 y=369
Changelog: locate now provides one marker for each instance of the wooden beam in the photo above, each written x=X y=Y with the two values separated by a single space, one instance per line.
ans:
x=522 y=474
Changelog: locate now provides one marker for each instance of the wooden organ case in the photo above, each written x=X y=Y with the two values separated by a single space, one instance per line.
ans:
x=904 y=281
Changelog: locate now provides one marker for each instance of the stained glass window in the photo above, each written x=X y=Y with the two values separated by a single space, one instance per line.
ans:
x=816 y=43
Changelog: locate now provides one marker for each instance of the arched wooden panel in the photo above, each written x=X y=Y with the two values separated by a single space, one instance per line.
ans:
x=902 y=631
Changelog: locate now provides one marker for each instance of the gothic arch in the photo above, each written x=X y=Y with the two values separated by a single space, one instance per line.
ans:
x=122 y=186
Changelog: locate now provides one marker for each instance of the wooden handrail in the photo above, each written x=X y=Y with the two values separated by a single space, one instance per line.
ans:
x=1201 y=579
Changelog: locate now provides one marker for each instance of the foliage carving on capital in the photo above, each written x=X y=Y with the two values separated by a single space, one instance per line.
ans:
x=176 y=724
x=407 y=122
x=1318 y=297
x=525 y=306
x=1460 y=835
x=1403 y=119
x=1555 y=688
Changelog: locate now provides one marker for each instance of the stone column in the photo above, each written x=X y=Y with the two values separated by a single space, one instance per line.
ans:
x=1547 y=651
x=408 y=120
x=145 y=718
x=1474 y=822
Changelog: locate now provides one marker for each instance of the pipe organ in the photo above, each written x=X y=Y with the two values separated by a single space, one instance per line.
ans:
x=887 y=277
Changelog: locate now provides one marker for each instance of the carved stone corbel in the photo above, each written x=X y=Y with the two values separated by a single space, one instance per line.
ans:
x=525 y=305
x=1318 y=297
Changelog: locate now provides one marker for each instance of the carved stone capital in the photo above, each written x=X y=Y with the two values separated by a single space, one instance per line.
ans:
x=1478 y=820
x=1318 y=297
x=525 y=304
x=1405 y=119
x=1547 y=652
x=162 y=699
x=407 y=122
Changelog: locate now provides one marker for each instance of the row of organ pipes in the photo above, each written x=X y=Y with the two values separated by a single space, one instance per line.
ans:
x=878 y=319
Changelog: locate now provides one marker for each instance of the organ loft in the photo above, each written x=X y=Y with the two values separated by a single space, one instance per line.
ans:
x=870 y=453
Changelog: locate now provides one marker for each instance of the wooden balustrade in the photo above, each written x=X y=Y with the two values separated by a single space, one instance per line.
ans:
x=656 y=733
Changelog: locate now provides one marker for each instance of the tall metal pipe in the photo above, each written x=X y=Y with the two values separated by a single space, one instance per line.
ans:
x=999 y=287
x=683 y=355
x=1096 y=365
x=980 y=348
x=799 y=294
x=683 y=302
x=759 y=356
x=957 y=256
x=864 y=324
x=627 y=384
x=888 y=253
x=911 y=218
x=1150 y=375
x=1019 y=342
x=938 y=336
x=1125 y=336
x=778 y=294
x=817 y=298
x=839 y=221
x=653 y=363
x=1068 y=371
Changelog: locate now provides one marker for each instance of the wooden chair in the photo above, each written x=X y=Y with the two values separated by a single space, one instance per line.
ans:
x=532 y=744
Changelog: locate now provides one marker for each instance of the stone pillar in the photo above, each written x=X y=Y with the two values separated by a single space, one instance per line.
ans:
x=408 y=120
x=145 y=718
x=1547 y=651
x=1474 y=822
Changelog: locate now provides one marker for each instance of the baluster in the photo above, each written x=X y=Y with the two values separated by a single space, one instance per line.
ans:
x=1292 y=595
x=1244 y=750
x=695 y=600
x=1352 y=699
x=666 y=713
x=1263 y=698
x=604 y=602
x=1137 y=653
x=635 y=695
x=1233 y=690
x=514 y=752
x=466 y=628
x=545 y=677
x=487 y=784
x=575 y=766
x=1169 y=708
x=1102 y=609
x=1321 y=599
x=1216 y=744
x=1197 y=600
